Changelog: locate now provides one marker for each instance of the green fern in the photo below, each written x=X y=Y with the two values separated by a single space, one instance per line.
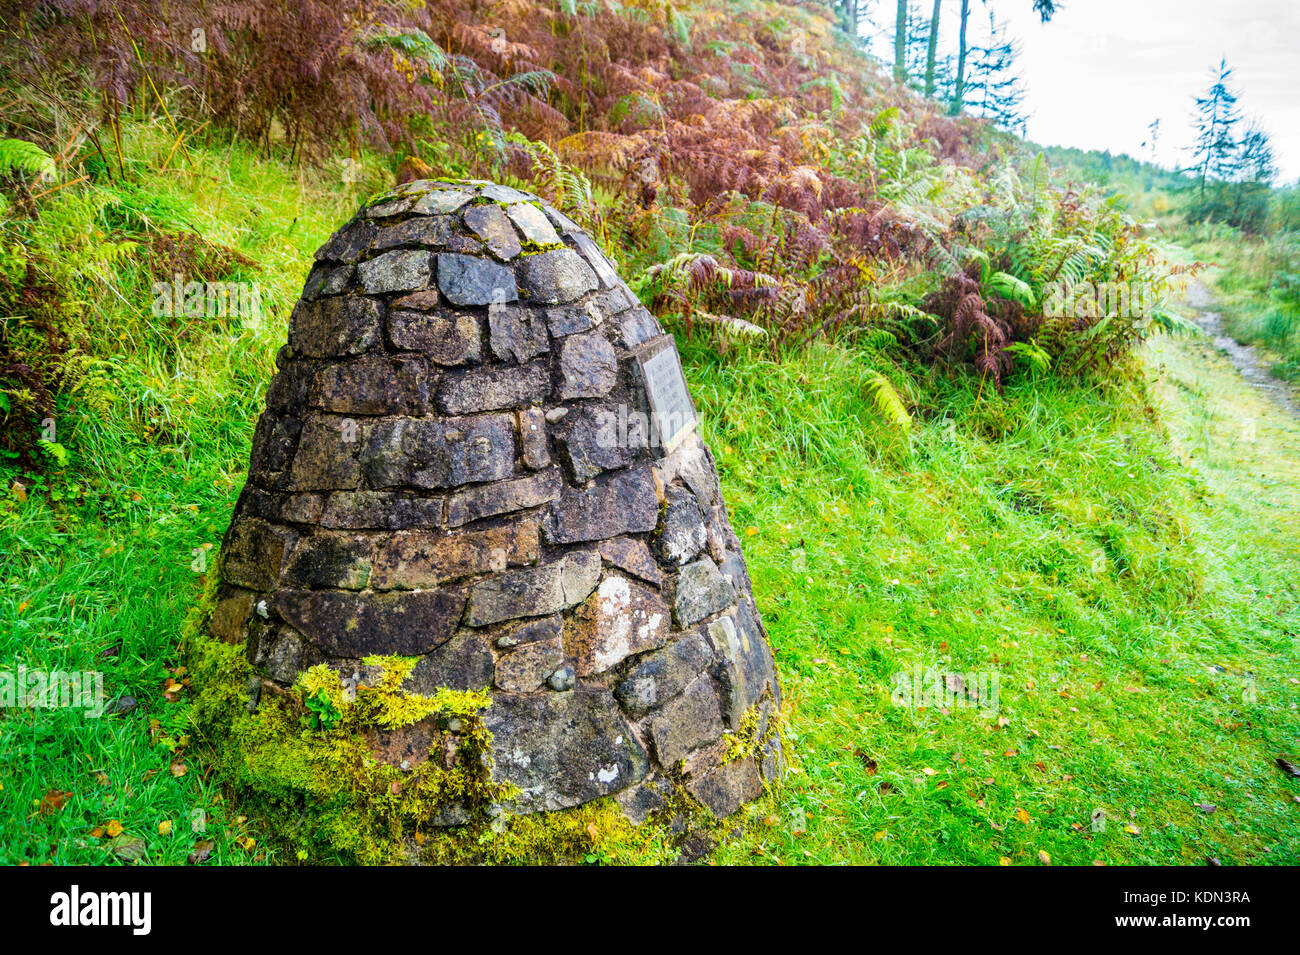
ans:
x=18 y=155
x=887 y=401
x=1032 y=354
x=1012 y=288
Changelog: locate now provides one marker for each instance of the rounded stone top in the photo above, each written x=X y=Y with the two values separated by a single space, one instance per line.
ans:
x=479 y=451
x=479 y=243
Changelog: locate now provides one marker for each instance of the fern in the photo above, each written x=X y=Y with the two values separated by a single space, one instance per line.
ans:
x=18 y=155
x=1032 y=354
x=887 y=401
x=1012 y=288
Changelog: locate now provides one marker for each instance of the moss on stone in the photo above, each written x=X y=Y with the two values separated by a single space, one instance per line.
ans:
x=323 y=795
x=755 y=731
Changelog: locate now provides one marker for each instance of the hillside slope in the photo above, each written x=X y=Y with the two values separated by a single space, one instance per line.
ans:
x=933 y=479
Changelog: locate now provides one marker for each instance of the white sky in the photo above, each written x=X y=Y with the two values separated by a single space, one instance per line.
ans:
x=1102 y=70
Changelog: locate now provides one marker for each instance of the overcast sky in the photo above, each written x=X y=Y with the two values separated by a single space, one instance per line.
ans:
x=1102 y=70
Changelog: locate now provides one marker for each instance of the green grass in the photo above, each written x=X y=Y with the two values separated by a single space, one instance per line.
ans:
x=1102 y=547
x=1053 y=537
x=1255 y=284
x=159 y=437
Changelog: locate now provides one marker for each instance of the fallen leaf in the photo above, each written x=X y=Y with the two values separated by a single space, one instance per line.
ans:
x=202 y=851
x=128 y=848
x=179 y=768
x=1022 y=816
x=1044 y=858
x=1004 y=861
x=53 y=801
x=1132 y=830
x=927 y=771
x=114 y=829
x=1206 y=807
x=165 y=827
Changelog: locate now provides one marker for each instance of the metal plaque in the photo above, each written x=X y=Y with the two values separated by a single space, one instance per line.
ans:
x=670 y=402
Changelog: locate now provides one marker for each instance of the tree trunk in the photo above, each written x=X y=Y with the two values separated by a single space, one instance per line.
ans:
x=934 y=44
x=900 y=42
x=959 y=90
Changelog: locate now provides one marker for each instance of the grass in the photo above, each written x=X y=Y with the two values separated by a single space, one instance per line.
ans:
x=1256 y=290
x=1102 y=547
x=101 y=578
x=1142 y=629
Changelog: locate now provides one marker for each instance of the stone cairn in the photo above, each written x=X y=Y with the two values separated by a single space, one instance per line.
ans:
x=466 y=457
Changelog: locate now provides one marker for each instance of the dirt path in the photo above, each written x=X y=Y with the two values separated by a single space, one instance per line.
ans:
x=1234 y=424
x=1245 y=358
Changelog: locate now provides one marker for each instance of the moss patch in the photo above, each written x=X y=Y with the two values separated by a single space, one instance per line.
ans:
x=313 y=764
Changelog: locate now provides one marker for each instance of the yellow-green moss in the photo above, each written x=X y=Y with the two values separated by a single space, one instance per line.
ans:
x=322 y=794
x=595 y=833
x=754 y=733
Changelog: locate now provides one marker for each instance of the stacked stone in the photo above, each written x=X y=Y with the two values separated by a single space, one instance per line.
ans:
x=434 y=476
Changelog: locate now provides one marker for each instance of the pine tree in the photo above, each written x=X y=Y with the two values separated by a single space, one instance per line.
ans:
x=931 y=48
x=995 y=90
x=900 y=42
x=1216 y=148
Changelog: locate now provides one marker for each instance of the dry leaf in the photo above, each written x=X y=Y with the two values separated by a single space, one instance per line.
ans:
x=165 y=827
x=128 y=848
x=202 y=850
x=1022 y=816
x=114 y=829
x=1044 y=858
x=1132 y=830
x=53 y=801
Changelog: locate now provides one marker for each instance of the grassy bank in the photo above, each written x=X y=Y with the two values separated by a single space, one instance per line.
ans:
x=1256 y=289
x=1100 y=545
